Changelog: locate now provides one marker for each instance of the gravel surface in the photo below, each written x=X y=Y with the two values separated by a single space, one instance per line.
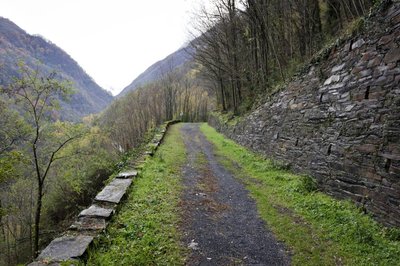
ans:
x=220 y=221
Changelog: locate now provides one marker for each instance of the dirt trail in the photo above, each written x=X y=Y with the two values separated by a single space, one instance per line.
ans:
x=221 y=224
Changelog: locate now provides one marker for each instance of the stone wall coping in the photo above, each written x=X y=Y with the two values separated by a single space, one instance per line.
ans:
x=91 y=222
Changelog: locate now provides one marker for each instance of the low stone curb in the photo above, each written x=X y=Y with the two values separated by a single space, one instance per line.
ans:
x=91 y=222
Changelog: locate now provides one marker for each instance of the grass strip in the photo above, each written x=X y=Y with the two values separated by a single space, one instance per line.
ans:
x=316 y=228
x=145 y=230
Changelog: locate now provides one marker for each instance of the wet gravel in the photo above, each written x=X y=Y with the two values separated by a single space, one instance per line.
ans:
x=220 y=221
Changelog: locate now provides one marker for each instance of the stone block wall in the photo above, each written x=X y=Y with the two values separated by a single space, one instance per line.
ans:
x=340 y=122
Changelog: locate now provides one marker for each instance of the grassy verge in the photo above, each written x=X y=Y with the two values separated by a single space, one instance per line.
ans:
x=145 y=230
x=317 y=229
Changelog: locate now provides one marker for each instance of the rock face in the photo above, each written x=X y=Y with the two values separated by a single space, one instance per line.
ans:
x=340 y=122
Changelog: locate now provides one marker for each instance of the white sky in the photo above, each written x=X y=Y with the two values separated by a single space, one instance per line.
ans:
x=112 y=40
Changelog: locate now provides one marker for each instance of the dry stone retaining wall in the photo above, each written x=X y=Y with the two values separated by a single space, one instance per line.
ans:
x=74 y=242
x=340 y=122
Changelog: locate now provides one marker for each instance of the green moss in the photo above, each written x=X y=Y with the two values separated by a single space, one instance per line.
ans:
x=317 y=229
x=144 y=232
x=227 y=118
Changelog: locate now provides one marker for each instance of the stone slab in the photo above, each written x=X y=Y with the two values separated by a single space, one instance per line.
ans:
x=38 y=263
x=127 y=174
x=96 y=211
x=65 y=248
x=114 y=191
x=89 y=223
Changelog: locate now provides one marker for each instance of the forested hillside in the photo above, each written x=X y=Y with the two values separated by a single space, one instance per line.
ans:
x=36 y=52
x=48 y=165
x=178 y=93
x=338 y=120
x=48 y=168
x=247 y=48
x=161 y=68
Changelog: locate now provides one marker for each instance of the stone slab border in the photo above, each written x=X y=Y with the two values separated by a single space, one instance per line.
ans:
x=73 y=244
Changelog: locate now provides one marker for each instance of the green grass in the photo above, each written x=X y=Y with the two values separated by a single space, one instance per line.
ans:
x=145 y=231
x=317 y=229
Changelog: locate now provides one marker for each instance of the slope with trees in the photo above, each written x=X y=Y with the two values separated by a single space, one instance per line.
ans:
x=36 y=52
x=157 y=70
x=48 y=168
x=247 y=47
x=178 y=94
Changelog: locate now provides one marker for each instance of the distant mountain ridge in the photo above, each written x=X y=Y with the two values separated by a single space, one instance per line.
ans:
x=16 y=45
x=160 y=68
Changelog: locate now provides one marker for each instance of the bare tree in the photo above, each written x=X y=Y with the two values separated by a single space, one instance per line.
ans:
x=246 y=46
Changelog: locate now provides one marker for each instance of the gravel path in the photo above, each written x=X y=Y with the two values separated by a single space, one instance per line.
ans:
x=220 y=220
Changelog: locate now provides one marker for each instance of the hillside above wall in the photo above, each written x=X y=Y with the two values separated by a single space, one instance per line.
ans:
x=340 y=121
x=156 y=71
x=16 y=45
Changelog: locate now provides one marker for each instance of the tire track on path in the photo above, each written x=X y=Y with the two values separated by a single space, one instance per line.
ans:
x=220 y=221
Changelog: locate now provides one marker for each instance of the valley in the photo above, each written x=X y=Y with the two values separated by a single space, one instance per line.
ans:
x=271 y=137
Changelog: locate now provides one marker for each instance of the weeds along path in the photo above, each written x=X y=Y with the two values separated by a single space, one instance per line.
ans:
x=194 y=203
x=220 y=221
x=145 y=229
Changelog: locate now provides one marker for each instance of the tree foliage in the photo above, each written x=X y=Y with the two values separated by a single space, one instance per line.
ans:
x=45 y=163
x=38 y=97
x=175 y=96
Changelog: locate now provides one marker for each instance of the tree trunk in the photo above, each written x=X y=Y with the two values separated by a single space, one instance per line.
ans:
x=37 y=218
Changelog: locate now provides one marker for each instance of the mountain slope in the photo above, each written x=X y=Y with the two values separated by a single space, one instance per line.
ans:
x=160 y=68
x=16 y=45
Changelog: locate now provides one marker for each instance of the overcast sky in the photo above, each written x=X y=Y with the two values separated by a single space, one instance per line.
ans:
x=113 y=40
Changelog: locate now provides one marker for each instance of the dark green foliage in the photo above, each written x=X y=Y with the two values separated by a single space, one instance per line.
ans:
x=392 y=233
x=308 y=184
